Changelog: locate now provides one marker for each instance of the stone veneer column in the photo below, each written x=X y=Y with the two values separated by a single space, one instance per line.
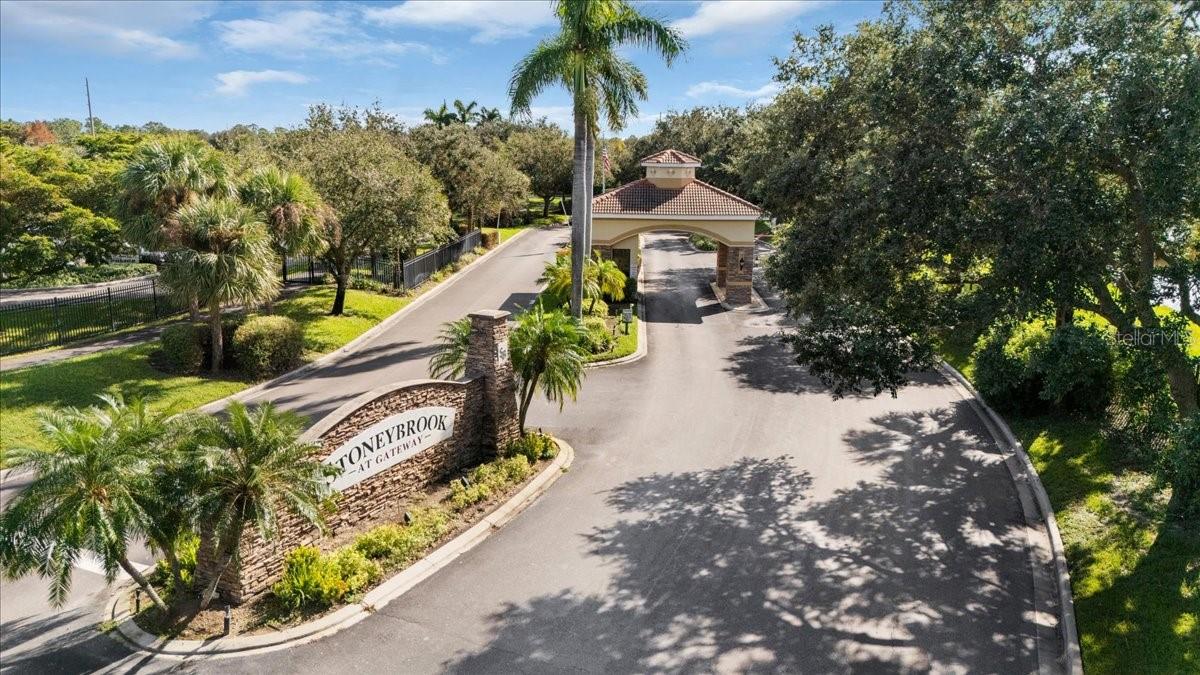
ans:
x=487 y=357
x=722 y=263
x=740 y=275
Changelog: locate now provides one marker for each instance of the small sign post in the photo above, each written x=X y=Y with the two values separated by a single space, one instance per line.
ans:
x=627 y=318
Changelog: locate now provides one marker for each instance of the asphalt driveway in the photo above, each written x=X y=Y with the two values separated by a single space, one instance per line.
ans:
x=724 y=513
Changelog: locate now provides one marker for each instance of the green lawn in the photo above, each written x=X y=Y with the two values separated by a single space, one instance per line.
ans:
x=1135 y=574
x=75 y=382
x=626 y=344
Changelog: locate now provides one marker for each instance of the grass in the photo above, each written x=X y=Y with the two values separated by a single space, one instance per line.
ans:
x=77 y=381
x=625 y=345
x=1135 y=570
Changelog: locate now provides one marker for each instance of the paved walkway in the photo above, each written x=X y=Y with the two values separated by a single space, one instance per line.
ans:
x=723 y=514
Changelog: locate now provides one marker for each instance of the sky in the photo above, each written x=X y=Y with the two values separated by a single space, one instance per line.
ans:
x=210 y=65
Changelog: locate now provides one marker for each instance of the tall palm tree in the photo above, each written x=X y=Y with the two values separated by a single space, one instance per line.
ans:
x=163 y=176
x=255 y=471
x=583 y=58
x=290 y=207
x=547 y=352
x=466 y=111
x=450 y=361
x=610 y=280
x=442 y=116
x=84 y=494
x=226 y=257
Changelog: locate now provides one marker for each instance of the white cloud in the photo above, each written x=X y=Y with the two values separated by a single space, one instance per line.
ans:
x=719 y=16
x=297 y=33
x=491 y=21
x=142 y=27
x=762 y=95
x=237 y=82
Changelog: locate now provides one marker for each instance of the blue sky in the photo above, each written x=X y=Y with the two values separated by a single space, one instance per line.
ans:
x=210 y=65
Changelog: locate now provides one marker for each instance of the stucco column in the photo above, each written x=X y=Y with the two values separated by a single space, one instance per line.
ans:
x=722 y=263
x=739 y=275
x=487 y=358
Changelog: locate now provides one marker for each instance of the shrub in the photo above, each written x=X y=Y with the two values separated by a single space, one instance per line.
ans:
x=487 y=479
x=1005 y=365
x=268 y=345
x=597 y=339
x=185 y=552
x=533 y=446
x=490 y=238
x=1143 y=417
x=310 y=580
x=396 y=544
x=1183 y=468
x=363 y=281
x=598 y=308
x=702 y=242
x=355 y=569
x=1076 y=369
x=183 y=347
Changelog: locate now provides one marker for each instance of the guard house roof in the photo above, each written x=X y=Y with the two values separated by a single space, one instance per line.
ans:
x=697 y=198
x=670 y=157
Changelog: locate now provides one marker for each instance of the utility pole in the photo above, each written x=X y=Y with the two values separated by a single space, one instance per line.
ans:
x=87 y=87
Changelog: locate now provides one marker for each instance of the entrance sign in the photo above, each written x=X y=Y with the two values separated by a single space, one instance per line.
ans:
x=389 y=442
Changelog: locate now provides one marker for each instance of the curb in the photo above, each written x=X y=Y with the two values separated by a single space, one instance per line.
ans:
x=643 y=345
x=129 y=632
x=352 y=346
x=1026 y=479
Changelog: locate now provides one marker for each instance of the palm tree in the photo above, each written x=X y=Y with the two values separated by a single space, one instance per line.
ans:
x=84 y=494
x=442 y=116
x=489 y=115
x=610 y=280
x=226 y=258
x=255 y=471
x=557 y=277
x=291 y=209
x=163 y=176
x=466 y=111
x=547 y=352
x=450 y=361
x=583 y=58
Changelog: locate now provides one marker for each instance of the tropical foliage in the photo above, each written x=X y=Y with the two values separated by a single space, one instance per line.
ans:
x=548 y=353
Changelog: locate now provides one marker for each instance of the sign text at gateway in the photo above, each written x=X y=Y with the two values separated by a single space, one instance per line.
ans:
x=389 y=442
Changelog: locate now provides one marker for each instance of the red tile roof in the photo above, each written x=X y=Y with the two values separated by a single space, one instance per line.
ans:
x=697 y=198
x=670 y=157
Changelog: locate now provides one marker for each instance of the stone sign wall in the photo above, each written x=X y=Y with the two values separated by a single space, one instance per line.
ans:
x=481 y=411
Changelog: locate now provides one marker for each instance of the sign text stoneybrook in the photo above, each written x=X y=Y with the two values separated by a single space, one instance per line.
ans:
x=389 y=442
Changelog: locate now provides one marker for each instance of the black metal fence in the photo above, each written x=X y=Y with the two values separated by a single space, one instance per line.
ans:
x=411 y=274
x=35 y=324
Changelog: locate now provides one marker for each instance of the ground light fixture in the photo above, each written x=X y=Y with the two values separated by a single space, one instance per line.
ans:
x=228 y=618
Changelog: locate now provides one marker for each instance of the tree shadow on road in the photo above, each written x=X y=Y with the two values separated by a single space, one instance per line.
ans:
x=80 y=650
x=741 y=568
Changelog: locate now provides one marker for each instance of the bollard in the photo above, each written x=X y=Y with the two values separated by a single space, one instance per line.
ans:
x=137 y=601
x=228 y=618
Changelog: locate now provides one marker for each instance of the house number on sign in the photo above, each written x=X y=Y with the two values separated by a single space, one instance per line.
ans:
x=501 y=352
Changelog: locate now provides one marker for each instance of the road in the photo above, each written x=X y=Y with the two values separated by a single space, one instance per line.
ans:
x=723 y=513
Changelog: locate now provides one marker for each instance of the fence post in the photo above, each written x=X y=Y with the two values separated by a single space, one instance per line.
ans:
x=58 y=323
x=154 y=294
x=284 y=269
x=112 y=319
x=312 y=273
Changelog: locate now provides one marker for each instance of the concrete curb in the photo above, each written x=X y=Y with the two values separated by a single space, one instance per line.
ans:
x=129 y=632
x=643 y=345
x=352 y=346
x=1026 y=479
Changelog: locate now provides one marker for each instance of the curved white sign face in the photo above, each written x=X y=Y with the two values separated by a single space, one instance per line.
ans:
x=389 y=442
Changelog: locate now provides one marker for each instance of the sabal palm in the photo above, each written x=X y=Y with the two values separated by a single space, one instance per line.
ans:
x=450 y=361
x=609 y=278
x=547 y=353
x=163 y=176
x=583 y=58
x=226 y=257
x=290 y=207
x=490 y=115
x=84 y=494
x=255 y=472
